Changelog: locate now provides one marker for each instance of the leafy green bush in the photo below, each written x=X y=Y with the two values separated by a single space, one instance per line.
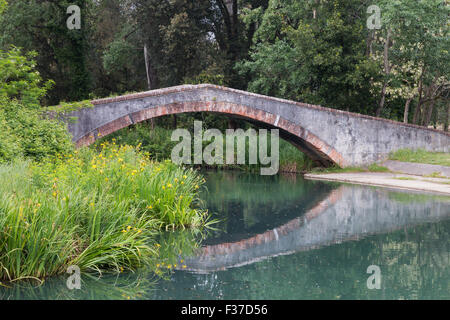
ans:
x=9 y=147
x=19 y=78
x=25 y=133
x=2 y=6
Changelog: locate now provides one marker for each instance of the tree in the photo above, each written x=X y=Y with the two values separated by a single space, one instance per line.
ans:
x=312 y=51
x=19 y=79
x=24 y=132
x=171 y=32
x=416 y=45
x=3 y=5
x=40 y=25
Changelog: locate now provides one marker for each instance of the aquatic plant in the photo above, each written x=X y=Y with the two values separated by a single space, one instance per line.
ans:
x=99 y=210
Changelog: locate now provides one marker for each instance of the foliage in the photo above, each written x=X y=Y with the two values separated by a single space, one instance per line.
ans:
x=19 y=79
x=157 y=142
x=335 y=169
x=415 y=54
x=66 y=107
x=315 y=59
x=9 y=147
x=24 y=132
x=40 y=26
x=377 y=168
x=27 y=134
x=3 y=5
x=210 y=76
x=97 y=211
x=175 y=34
x=315 y=51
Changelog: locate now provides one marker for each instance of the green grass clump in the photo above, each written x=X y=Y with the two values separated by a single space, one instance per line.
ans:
x=404 y=178
x=335 y=169
x=377 y=168
x=435 y=174
x=421 y=156
x=290 y=155
x=99 y=211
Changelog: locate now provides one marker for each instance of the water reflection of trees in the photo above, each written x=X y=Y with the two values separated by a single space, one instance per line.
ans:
x=106 y=287
x=414 y=263
x=247 y=204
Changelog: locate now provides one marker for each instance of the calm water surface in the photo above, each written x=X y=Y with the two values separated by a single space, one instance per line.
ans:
x=284 y=237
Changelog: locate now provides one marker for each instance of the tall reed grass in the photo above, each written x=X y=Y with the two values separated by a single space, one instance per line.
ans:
x=99 y=210
x=158 y=142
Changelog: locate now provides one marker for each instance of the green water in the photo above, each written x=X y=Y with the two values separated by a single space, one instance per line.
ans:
x=284 y=237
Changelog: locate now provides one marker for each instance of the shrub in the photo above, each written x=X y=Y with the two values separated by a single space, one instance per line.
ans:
x=25 y=133
x=19 y=79
x=9 y=147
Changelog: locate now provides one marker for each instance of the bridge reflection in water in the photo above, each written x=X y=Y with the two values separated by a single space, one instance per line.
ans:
x=344 y=213
x=308 y=225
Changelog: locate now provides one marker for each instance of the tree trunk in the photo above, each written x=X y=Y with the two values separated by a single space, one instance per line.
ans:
x=387 y=70
x=369 y=43
x=174 y=121
x=446 y=119
x=426 y=105
x=435 y=119
x=232 y=124
x=149 y=80
x=418 y=110
x=416 y=113
x=406 y=112
x=383 y=97
x=317 y=2
x=430 y=112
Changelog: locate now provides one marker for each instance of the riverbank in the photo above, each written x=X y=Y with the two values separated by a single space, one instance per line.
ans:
x=389 y=180
x=98 y=210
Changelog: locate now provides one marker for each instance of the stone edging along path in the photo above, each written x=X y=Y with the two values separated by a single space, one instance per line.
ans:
x=420 y=169
x=389 y=180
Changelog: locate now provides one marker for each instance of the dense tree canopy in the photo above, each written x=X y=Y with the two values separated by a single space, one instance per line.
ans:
x=313 y=52
x=318 y=51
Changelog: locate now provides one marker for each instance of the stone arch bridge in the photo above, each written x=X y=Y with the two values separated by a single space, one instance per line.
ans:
x=326 y=135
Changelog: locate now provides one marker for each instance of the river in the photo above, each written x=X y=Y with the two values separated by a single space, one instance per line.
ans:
x=283 y=237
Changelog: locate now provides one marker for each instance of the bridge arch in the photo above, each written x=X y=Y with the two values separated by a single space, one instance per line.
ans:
x=317 y=149
x=325 y=135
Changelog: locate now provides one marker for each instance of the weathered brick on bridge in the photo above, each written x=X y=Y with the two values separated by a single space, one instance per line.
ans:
x=85 y=141
x=114 y=126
